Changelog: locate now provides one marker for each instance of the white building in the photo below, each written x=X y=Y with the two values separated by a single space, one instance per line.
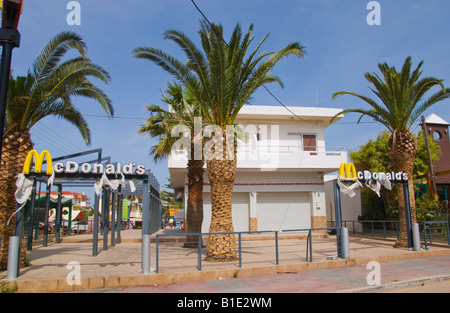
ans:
x=351 y=208
x=280 y=171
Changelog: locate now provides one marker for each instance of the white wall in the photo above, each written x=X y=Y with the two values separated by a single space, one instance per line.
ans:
x=351 y=207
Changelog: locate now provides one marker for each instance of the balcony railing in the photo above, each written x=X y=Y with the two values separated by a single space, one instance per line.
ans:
x=278 y=156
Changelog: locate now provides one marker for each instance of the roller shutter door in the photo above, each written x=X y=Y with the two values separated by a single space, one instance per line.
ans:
x=240 y=211
x=283 y=210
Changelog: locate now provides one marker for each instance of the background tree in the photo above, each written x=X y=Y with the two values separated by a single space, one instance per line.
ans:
x=222 y=78
x=168 y=200
x=374 y=157
x=401 y=102
x=47 y=90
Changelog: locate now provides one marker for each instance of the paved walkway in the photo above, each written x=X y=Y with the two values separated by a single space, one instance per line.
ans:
x=119 y=266
x=393 y=275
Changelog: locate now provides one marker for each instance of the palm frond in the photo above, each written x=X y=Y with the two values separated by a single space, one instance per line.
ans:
x=401 y=95
x=220 y=78
x=49 y=85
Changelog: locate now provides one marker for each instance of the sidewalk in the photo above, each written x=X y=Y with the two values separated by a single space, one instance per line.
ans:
x=119 y=266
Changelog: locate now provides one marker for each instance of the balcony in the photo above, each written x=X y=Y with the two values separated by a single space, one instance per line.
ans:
x=278 y=157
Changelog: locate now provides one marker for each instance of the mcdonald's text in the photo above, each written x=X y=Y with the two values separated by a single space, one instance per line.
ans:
x=71 y=167
x=366 y=175
x=348 y=172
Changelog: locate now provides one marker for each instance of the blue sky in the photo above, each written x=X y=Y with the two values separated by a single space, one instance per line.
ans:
x=341 y=47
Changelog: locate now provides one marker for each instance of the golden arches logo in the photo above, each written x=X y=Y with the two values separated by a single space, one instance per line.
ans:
x=39 y=161
x=347 y=172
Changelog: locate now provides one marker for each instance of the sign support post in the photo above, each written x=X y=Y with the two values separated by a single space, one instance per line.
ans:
x=31 y=222
x=338 y=214
x=95 y=226
x=408 y=215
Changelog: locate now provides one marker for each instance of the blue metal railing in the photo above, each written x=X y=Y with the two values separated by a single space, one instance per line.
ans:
x=432 y=226
x=309 y=247
x=390 y=229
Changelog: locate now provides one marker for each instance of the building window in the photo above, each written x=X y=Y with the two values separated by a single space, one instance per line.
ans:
x=309 y=143
x=437 y=136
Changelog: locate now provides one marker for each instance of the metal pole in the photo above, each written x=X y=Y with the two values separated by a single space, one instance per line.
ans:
x=58 y=214
x=408 y=214
x=146 y=254
x=337 y=207
x=307 y=248
x=47 y=206
x=416 y=233
x=240 y=249
x=145 y=226
x=145 y=208
x=13 y=257
x=310 y=246
x=199 y=267
x=448 y=234
x=31 y=222
x=345 y=243
x=18 y=230
x=157 y=254
x=113 y=218
x=276 y=248
x=119 y=215
x=425 y=235
x=36 y=234
x=95 y=226
x=105 y=215
x=69 y=222
x=12 y=37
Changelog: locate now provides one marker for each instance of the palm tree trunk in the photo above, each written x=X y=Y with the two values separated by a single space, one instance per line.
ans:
x=402 y=152
x=16 y=146
x=194 y=214
x=221 y=173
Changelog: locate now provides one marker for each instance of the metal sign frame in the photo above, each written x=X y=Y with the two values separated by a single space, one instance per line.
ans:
x=147 y=186
x=338 y=213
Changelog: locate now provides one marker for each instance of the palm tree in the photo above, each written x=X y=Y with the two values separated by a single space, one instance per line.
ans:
x=222 y=78
x=401 y=103
x=183 y=113
x=46 y=90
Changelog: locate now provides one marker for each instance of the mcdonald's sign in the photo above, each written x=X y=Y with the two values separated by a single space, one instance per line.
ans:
x=38 y=161
x=347 y=172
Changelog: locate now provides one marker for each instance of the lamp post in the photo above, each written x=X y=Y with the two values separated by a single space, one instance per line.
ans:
x=9 y=39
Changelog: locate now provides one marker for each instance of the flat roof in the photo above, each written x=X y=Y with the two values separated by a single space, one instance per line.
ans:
x=288 y=113
x=294 y=113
